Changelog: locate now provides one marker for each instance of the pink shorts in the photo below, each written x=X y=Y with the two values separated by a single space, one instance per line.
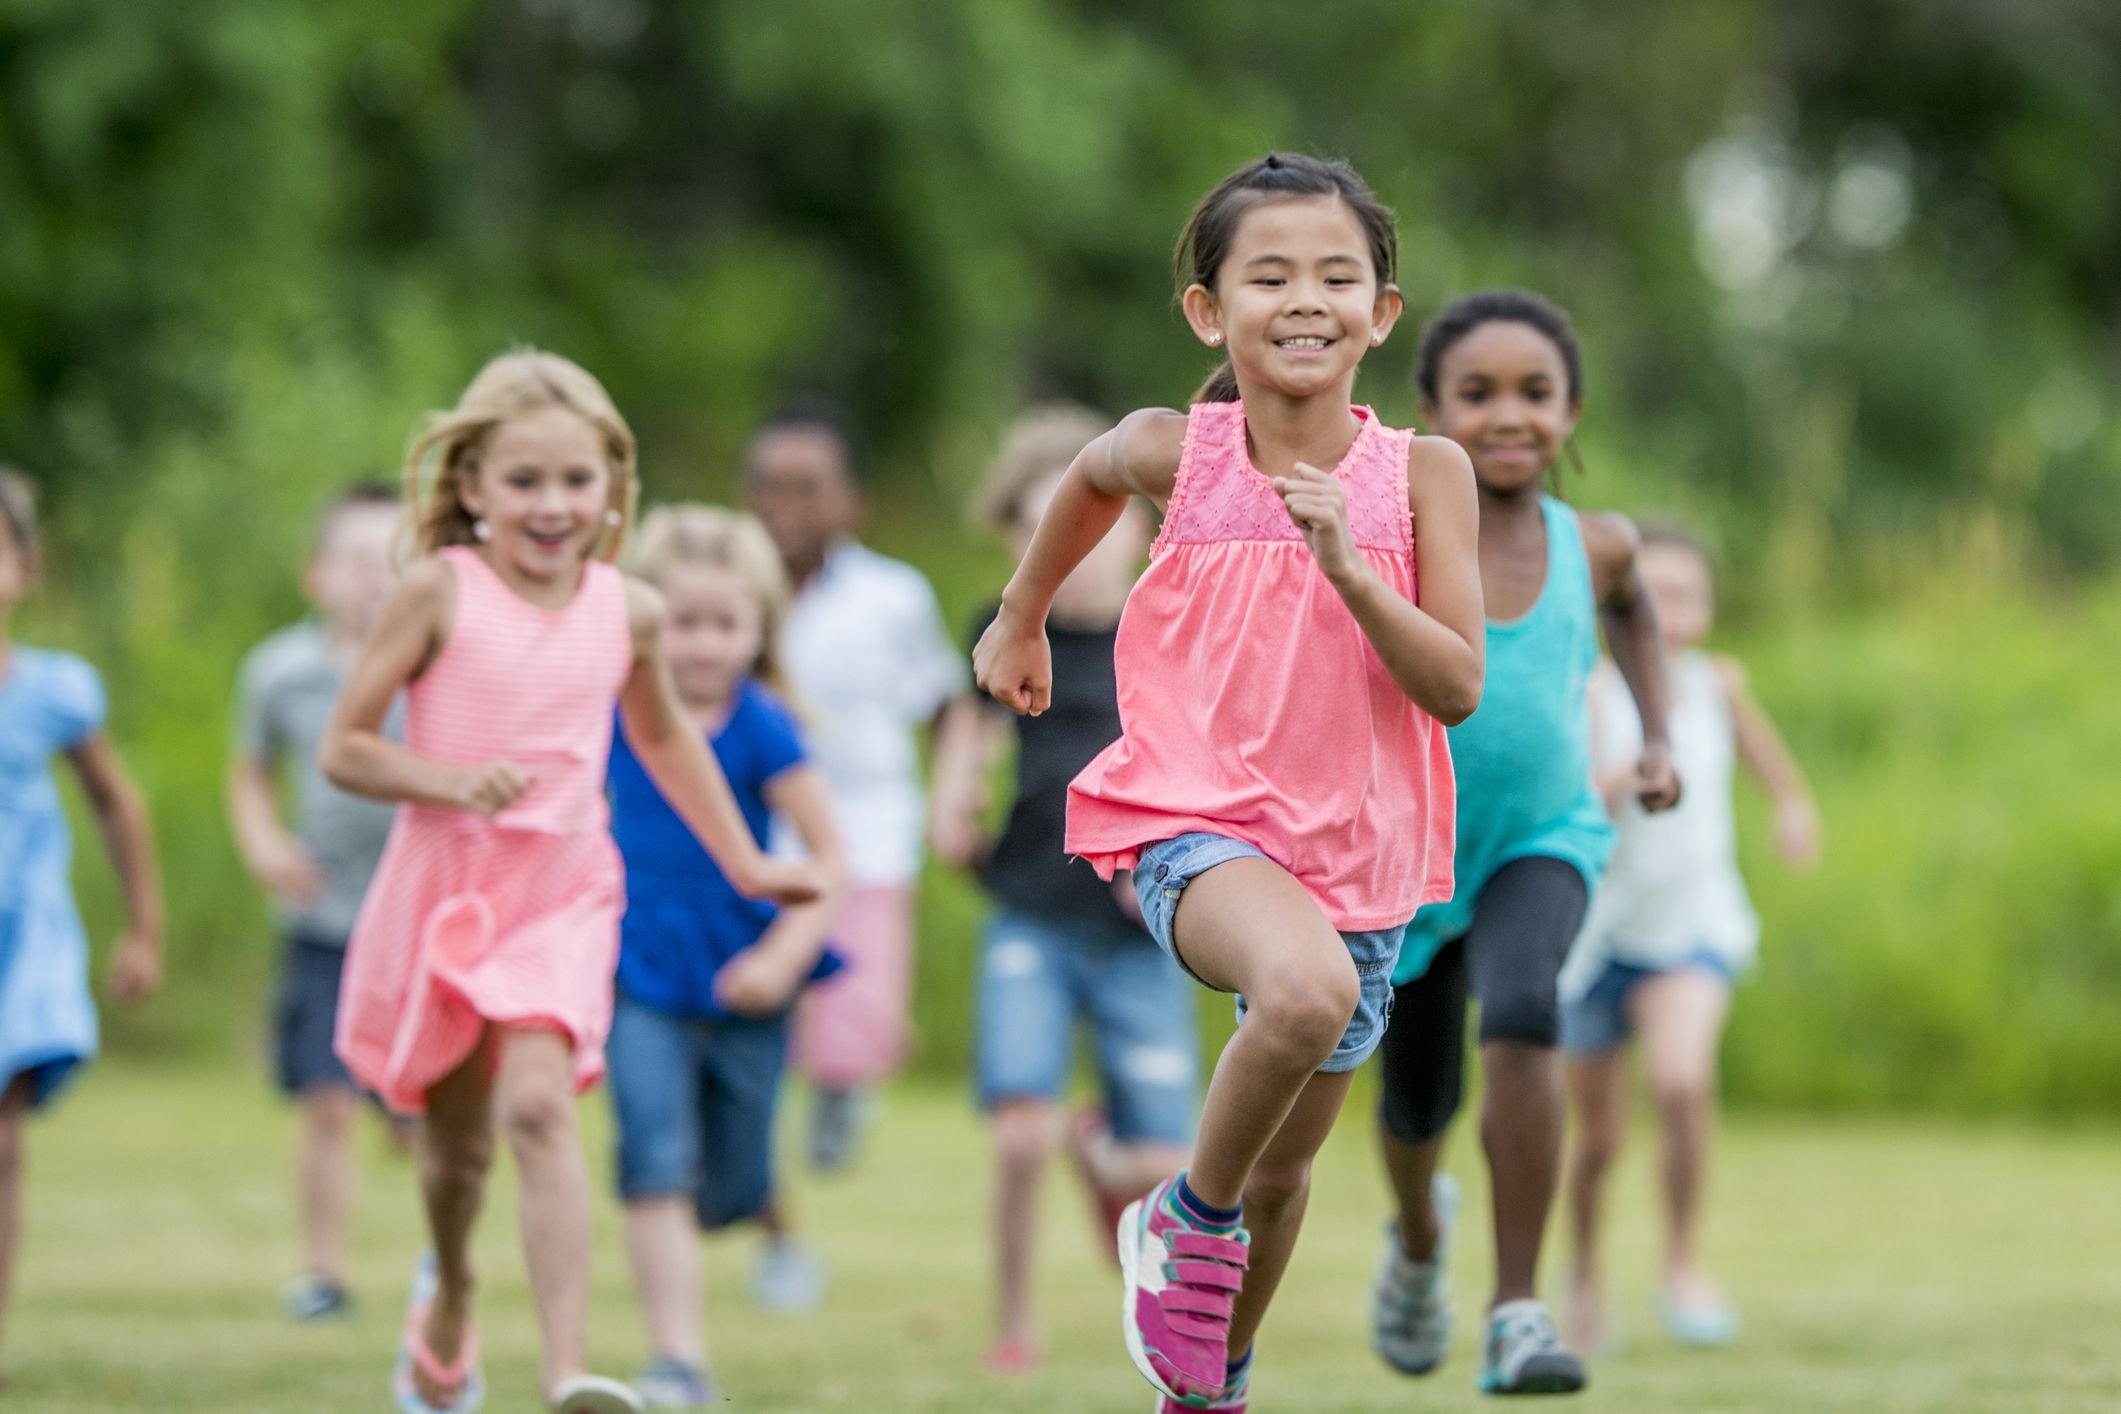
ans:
x=851 y=1029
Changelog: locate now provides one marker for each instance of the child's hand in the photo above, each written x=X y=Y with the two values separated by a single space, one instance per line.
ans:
x=1656 y=783
x=135 y=968
x=1013 y=663
x=756 y=982
x=1318 y=503
x=785 y=881
x=491 y=788
x=1797 y=834
x=289 y=871
x=957 y=837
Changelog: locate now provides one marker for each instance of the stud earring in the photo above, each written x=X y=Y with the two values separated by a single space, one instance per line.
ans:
x=1215 y=341
x=1376 y=339
x=480 y=530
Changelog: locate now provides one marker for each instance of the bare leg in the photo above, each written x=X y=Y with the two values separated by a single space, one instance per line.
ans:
x=1597 y=1083
x=534 y=1102
x=1679 y=1016
x=1520 y=1128
x=661 y=1238
x=325 y=1177
x=14 y=1109
x=1026 y=1132
x=1278 y=1193
x=1127 y=1171
x=456 y=1154
x=1412 y=1169
x=1247 y=926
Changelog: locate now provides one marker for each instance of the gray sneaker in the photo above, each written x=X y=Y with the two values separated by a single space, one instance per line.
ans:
x=789 y=1279
x=310 y=1297
x=1523 y=1355
x=670 y=1383
x=1410 y=1308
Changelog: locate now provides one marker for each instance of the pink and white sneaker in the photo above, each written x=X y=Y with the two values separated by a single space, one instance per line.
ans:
x=1181 y=1286
x=1231 y=1403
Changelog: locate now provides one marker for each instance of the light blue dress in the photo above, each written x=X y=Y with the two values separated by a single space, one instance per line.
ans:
x=49 y=703
x=1523 y=759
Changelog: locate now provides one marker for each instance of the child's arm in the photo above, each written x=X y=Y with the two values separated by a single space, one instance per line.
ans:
x=969 y=737
x=685 y=771
x=1436 y=650
x=1768 y=757
x=136 y=968
x=280 y=863
x=764 y=977
x=355 y=755
x=1137 y=458
x=1629 y=618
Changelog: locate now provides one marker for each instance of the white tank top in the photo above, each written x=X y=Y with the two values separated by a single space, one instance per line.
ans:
x=1673 y=889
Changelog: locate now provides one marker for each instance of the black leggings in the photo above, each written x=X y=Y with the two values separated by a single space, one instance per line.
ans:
x=1523 y=923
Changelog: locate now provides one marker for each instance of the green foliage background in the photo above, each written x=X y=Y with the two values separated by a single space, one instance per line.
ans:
x=1845 y=274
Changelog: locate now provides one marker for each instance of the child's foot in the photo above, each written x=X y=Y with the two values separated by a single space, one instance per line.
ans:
x=437 y=1369
x=1524 y=1356
x=1695 y=1312
x=837 y=1120
x=1588 y=1325
x=1182 y=1273
x=593 y=1394
x=790 y=1279
x=1085 y=1135
x=671 y=1383
x=1237 y=1380
x=310 y=1297
x=1410 y=1306
x=1013 y=1357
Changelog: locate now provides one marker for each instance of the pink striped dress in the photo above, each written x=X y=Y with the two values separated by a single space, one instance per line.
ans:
x=1252 y=706
x=514 y=920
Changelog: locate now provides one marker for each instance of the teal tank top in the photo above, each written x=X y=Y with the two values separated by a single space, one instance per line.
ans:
x=1523 y=760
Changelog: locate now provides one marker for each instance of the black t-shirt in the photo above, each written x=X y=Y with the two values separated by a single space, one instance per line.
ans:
x=1030 y=867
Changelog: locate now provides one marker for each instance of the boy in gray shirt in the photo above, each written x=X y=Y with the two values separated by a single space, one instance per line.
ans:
x=317 y=872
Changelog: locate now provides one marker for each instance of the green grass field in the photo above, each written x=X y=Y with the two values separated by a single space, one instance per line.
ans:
x=1880 y=1266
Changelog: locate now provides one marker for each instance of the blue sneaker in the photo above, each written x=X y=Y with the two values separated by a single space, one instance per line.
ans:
x=1523 y=1355
x=670 y=1383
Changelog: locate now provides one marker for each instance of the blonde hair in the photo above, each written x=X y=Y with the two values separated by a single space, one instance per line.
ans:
x=694 y=534
x=1045 y=440
x=446 y=450
x=18 y=512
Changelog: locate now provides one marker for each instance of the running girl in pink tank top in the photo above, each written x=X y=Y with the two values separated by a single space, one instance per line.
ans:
x=1282 y=787
x=479 y=976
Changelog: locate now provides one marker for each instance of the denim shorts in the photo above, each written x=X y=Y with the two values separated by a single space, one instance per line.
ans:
x=304 y=1013
x=1598 y=1020
x=1038 y=973
x=694 y=1099
x=1164 y=870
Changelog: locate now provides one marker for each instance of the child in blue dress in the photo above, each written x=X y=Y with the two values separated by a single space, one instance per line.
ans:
x=699 y=1038
x=51 y=704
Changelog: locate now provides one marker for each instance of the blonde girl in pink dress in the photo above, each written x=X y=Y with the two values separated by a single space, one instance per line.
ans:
x=478 y=987
x=1282 y=788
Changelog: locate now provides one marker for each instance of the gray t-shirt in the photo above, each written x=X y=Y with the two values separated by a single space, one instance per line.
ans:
x=285 y=698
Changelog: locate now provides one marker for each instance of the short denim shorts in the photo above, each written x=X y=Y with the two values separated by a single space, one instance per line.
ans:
x=1164 y=870
x=1599 y=1021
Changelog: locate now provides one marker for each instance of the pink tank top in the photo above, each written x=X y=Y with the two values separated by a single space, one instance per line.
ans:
x=1252 y=706
x=531 y=686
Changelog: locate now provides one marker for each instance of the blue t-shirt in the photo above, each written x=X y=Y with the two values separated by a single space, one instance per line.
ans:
x=683 y=920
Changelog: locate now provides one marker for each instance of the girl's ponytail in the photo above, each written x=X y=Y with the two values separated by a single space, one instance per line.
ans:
x=1221 y=386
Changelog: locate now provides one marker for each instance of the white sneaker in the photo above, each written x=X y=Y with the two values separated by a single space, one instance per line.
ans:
x=789 y=1279
x=1410 y=1309
x=1525 y=1356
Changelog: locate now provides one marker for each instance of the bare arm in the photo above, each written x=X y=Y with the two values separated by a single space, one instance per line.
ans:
x=355 y=755
x=273 y=855
x=121 y=816
x=1629 y=618
x=1137 y=458
x=1767 y=756
x=685 y=771
x=1436 y=650
x=967 y=741
x=765 y=976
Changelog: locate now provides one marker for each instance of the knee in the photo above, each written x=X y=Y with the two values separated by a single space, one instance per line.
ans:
x=1680 y=1093
x=1306 y=1010
x=455 y=1160
x=1597 y=1146
x=1023 y=1135
x=1273 y=1188
x=536 y=1118
x=1527 y=1015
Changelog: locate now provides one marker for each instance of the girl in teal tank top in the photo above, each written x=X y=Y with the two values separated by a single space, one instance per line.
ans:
x=1500 y=374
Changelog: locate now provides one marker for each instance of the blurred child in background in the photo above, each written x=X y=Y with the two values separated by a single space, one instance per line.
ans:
x=52 y=704
x=870 y=659
x=1666 y=939
x=1062 y=945
x=316 y=872
x=707 y=977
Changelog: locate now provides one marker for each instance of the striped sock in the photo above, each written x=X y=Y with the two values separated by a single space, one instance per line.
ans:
x=1205 y=1216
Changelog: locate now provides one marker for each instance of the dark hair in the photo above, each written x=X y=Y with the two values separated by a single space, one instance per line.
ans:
x=1676 y=535
x=359 y=496
x=18 y=511
x=1277 y=176
x=810 y=414
x=1468 y=312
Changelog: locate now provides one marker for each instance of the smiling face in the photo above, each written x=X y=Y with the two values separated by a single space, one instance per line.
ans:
x=350 y=574
x=713 y=631
x=1683 y=588
x=1503 y=394
x=1296 y=298
x=801 y=487
x=542 y=486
